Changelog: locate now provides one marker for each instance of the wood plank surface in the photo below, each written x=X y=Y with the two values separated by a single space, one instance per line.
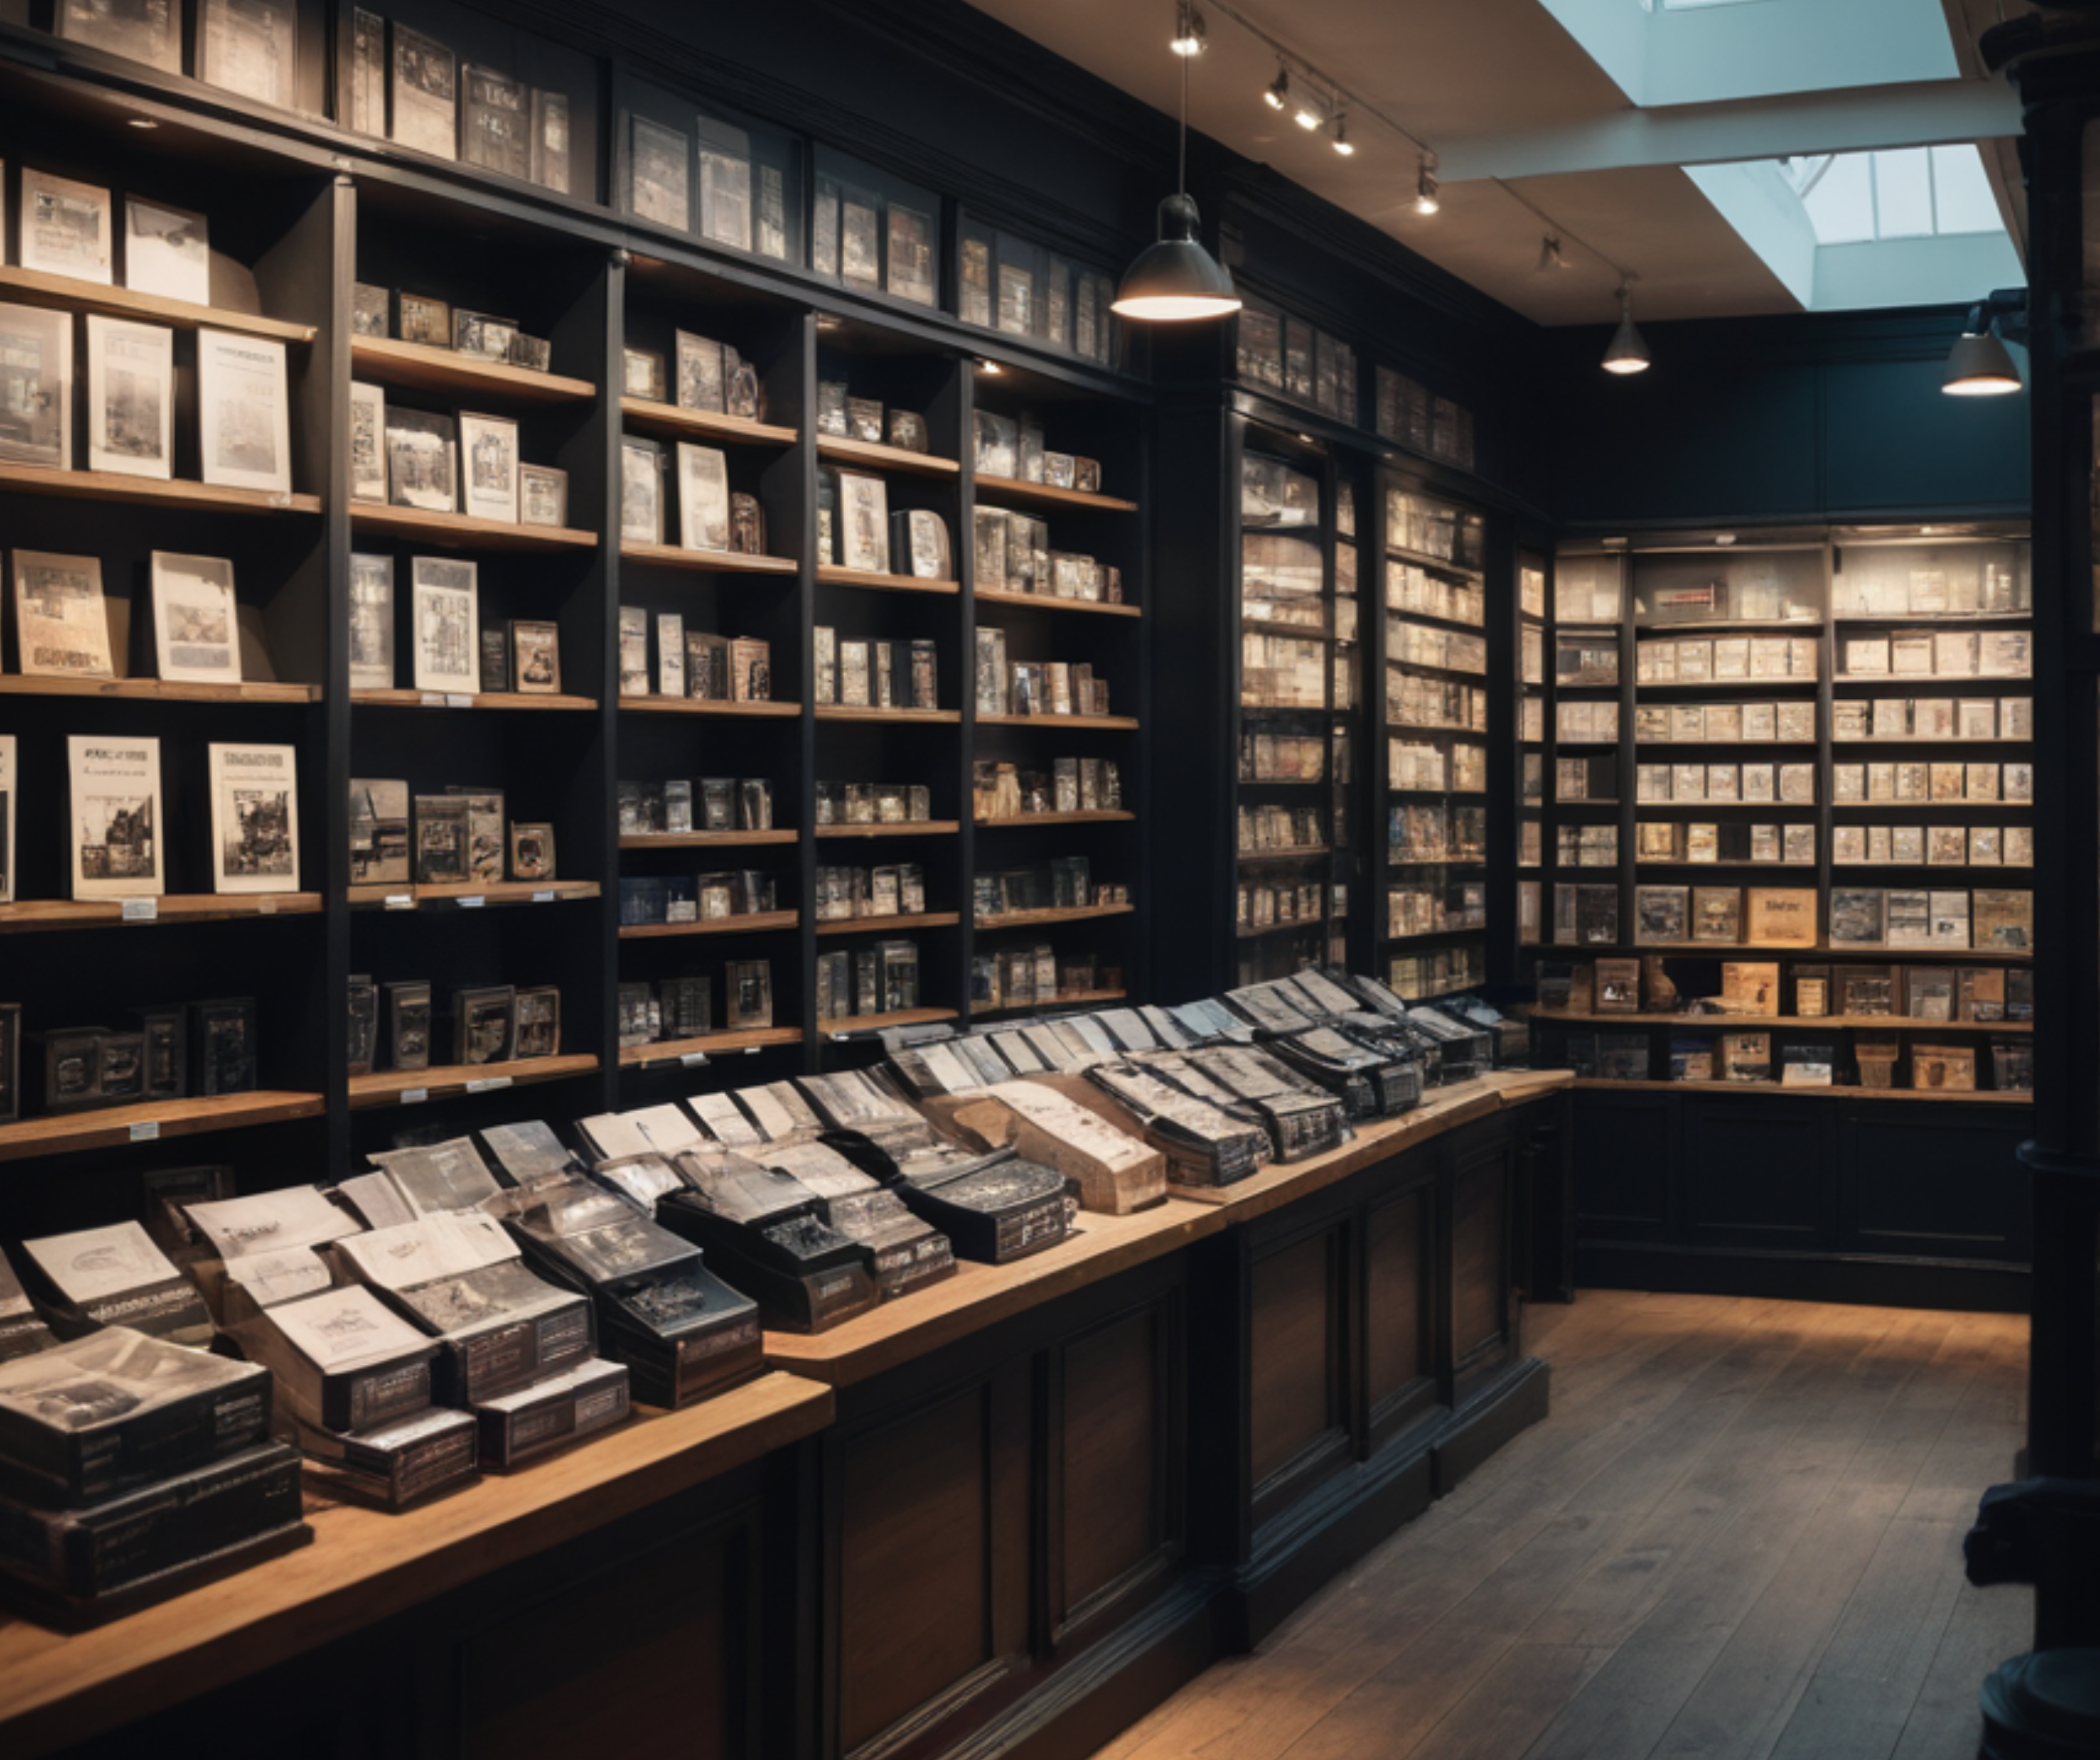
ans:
x=1736 y=1535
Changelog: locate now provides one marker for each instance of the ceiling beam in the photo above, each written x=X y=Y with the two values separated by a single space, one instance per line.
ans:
x=1929 y=114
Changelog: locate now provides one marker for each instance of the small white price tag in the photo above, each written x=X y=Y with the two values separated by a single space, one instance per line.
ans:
x=751 y=1050
x=142 y=910
x=266 y=907
x=546 y=897
x=474 y=903
x=841 y=1037
x=414 y=1096
x=280 y=498
x=147 y=1130
x=459 y=700
x=400 y=901
x=488 y=1083
x=694 y=1059
x=434 y=699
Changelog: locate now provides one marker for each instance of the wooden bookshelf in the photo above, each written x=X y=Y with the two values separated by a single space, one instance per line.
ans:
x=1089 y=815
x=1100 y=724
x=34 y=286
x=470 y=894
x=1068 y=914
x=1071 y=999
x=873 y=454
x=709 y=705
x=846 y=925
x=1943 y=1096
x=908 y=828
x=462 y=531
x=1780 y=1023
x=1051 y=602
x=149 y=491
x=423 y=699
x=1049 y=496
x=845 y=1027
x=646 y=413
x=706 y=561
x=160 y=690
x=830 y=574
x=707 y=1046
x=673 y=840
x=854 y=712
x=110 y=1127
x=26 y=914
x=748 y=922
x=447 y=1081
x=419 y=366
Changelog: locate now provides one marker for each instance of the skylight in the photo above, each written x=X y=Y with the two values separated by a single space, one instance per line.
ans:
x=1909 y=193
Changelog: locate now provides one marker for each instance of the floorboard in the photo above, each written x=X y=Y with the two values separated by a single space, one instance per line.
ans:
x=1736 y=1537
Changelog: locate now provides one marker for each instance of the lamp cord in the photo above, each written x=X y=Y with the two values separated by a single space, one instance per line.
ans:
x=1181 y=160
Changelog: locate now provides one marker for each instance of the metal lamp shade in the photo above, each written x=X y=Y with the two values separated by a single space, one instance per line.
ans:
x=1628 y=354
x=1980 y=366
x=1175 y=280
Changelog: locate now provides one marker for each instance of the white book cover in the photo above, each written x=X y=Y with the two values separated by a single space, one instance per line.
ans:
x=254 y=819
x=244 y=412
x=446 y=1245
x=98 y=1263
x=37 y=347
x=703 y=497
x=448 y=625
x=61 y=622
x=372 y=623
x=130 y=397
x=368 y=443
x=196 y=628
x=268 y=1222
x=116 y=801
x=345 y=1328
x=8 y=788
x=167 y=251
x=488 y=449
x=66 y=227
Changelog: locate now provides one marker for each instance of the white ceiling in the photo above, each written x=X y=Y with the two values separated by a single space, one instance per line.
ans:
x=1522 y=119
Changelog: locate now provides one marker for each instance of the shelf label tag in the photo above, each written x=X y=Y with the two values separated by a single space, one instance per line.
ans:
x=434 y=699
x=142 y=910
x=280 y=498
x=488 y=1083
x=694 y=1059
x=414 y=1096
x=266 y=907
x=474 y=902
x=543 y=898
x=752 y=1050
x=459 y=699
x=146 y=1130
x=400 y=901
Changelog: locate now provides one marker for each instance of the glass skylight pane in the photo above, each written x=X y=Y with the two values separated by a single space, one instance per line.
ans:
x=1962 y=192
x=1695 y=6
x=1841 y=206
x=1903 y=194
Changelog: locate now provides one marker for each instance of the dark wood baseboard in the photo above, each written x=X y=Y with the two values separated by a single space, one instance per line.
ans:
x=1970 y=1285
x=1515 y=1403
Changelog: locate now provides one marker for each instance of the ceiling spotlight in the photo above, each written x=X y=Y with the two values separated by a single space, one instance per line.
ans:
x=1277 y=96
x=1189 y=30
x=1550 y=257
x=1307 y=115
x=1426 y=198
x=1628 y=354
x=1978 y=364
x=1342 y=144
x=142 y=122
x=991 y=369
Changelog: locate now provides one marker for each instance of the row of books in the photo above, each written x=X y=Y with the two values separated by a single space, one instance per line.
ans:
x=1750 y=1058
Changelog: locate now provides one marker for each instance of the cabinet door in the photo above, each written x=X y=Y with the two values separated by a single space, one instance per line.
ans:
x=1400 y=1352
x=1482 y=1279
x=1298 y=1414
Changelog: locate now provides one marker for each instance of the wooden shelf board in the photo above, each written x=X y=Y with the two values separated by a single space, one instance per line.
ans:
x=463 y=531
x=1420 y=558
x=844 y=450
x=845 y=1026
x=1070 y=999
x=1782 y=1022
x=826 y=711
x=831 y=574
x=421 y=367
x=909 y=828
x=34 y=286
x=750 y=922
x=713 y=424
x=1049 y=495
x=67 y=1132
x=366 y=1566
x=1105 y=724
x=1307 y=852
x=1822 y=950
x=150 y=491
x=883 y=925
x=29 y=914
x=710 y=705
x=1091 y=815
x=1931 y=620
x=1294 y=631
x=1931 y=739
x=445 y=1082
x=457 y=892
x=1051 y=602
x=1982 y=1096
x=1301 y=925
x=706 y=839
x=1977 y=682
x=1731 y=687
x=159 y=690
x=420 y=699
x=707 y=1044
x=706 y=561
x=1068 y=914
x=1664 y=632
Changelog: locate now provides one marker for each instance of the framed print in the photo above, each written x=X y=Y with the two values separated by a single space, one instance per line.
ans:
x=7 y=792
x=150 y=31
x=130 y=397
x=550 y=141
x=167 y=251
x=911 y=256
x=860 y=238
x=770 y=224
x=426 y=320
x=703 y=497
x=425 y=95
x=372 y=623
x=445 y=592
x=366 y=106
x=495 y=122
x=659 y=174
x=35 y=386
x=641 y=491
x=532 y=851
x=543 y=495
x=254 y=819
x=61 y=622
x=642 y=375
x=116 y=801
x=701 y=373
x=486 y=338
x=863 y=523
x=535 y=658
x=66 y=227
x=368 y=443
x=197 y=629
x=489 y=447
x=422 y=460
x=725 y=185
x=243 y=411
x=250 y=47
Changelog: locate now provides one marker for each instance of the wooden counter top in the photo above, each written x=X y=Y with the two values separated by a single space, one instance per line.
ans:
x=365 y=1566
x=979 y=1296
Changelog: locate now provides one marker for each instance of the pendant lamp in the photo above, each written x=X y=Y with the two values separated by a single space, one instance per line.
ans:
x=1978 y=364
x=1177 y=279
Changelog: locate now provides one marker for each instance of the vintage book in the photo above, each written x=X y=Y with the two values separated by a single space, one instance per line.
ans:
x=1717 y=914
x=244 y=412
x=380 y=848
x=642 y=491
x=66 y=227
x=426 y=93
x=724 y=181
x=10 y=789
x=659 y=174
x=495 y=658
x=489 y=454
x=113 y=1276
x=532 y=851
x=166 y=251
x=442 y=843
x=61 y=620
x=703 y=497
x=1749 y=987
x=536 y=657
x=1618 y=987
x=633 y=651
x=368 y=442
x=1781 y=917
x=517 y=1428
x=35 y=386
x=422 y=460
x=1745 y=1057
x=409 y=1025
x=543 y=495
x=116 y=818
x=863 y=517
x=196 y=634
x=495 y=122
x=447 y=638
x=255 y=818
x=130 y=397
x=1808 y=1066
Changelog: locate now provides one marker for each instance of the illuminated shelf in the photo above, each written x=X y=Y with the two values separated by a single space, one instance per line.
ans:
x=420 y=366
x=109 y=1127
x=711 y=424
x=26 y=914
x=746 y=923
x=706 y=1045
x=449 y=1080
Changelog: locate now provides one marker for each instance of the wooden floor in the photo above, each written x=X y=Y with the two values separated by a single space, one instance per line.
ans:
x=1738 y=1535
